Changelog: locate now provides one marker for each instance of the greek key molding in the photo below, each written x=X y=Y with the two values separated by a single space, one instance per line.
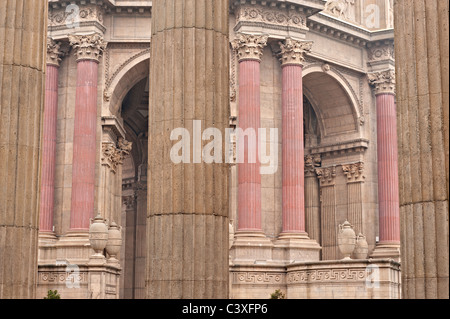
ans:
x=263 y=278
x=61 y=277
x=326 y=275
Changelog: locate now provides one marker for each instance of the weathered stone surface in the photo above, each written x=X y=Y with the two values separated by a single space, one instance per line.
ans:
x=22 y=60
x=423 y=129
x=188 y=203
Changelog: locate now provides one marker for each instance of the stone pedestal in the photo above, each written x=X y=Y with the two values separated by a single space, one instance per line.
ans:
x=422 y=51
x=187 y=220
x=22 y=77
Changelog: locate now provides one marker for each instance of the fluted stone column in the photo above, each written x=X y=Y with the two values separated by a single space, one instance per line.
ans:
x=292 y=58
x=388 y=193
x=47 y=198
x=250 y=50
x=22 y=62
x=88 y=50
x=422 y=50
x=187 y=221
x=312 y=197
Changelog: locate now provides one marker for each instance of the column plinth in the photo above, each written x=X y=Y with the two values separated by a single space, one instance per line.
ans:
x=388 y=191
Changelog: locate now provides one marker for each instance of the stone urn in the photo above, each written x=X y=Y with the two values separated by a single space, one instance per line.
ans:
x=98 y=235
x=362 y=247
x=346 y=240
x=114 y=242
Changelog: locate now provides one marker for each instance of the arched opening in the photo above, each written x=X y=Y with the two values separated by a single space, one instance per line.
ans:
x=134 y=113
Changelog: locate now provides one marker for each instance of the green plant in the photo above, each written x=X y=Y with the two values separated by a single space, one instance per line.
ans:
x=53 y=295
x=278 y=294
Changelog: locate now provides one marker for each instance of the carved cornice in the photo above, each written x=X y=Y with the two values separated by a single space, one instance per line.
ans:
x=354 y=172
x=88 y=46
x=293 y=52
x=54 y=52
x=327 y=175
x=383 y=82
x=249 y=46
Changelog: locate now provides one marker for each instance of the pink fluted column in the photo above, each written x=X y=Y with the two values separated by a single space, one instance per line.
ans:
x=47 y=196
x=292 y=57
x=388 y=184
x=249 y=177
x=388 y=192
x=293 y=150
x=89 y=48
x=250 y=51
x=49 y=150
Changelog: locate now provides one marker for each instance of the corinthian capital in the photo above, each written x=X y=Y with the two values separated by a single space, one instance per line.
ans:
x=383 y=82
x=88 y=46
x=54 y=52
x=249 y=46
x=293 y=52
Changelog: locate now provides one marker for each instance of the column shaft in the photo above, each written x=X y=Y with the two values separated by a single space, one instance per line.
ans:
x=293 y=151
x=249 y=177
x=22 y=77
x=422 y=50
x=187 y=221
x=49 y=150
x=388 y=195
x=84 y=146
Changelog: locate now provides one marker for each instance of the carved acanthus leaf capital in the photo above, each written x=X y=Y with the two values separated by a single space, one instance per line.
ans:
x=327 y=175
x=88 y=46
x=113 y=156
x=249 y=46
x=293 y=52
x=54 y=52
x=312 y=162
x=383 y=82
x=354 y=172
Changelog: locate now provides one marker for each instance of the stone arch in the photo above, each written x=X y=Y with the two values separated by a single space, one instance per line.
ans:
x=333 y=100
x=124 y=79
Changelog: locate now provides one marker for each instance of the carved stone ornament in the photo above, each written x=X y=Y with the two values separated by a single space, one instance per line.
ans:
x=354 y=172
x=293 y=52
x=342 y=9
x=327 y=176
x=114 y=156
x=249 y=46
x=54 y=52
x=383 y=82
x=88 y=46
x=312 y=162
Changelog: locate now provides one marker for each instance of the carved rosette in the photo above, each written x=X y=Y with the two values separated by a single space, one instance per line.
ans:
x=354 y=172
x=54 y=52
x=113 y=156
x=249 y=46
x=312 y=162
x=293 y=52
x=327 y=175
x=88 y=46
x=383 y=82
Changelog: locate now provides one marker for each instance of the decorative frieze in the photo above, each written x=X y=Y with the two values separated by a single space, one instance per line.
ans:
x=293 y=52
x=250 y=46
x=73 y=16
x=87 y=46
x=354 y=172
x=326 y=275
x=263 y=278
x=381 y=51
x=383 y=82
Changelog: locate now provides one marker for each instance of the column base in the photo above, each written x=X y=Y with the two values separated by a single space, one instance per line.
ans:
x=386 y=251
x=47 y=237
x=296 y=247
x=251 y=247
